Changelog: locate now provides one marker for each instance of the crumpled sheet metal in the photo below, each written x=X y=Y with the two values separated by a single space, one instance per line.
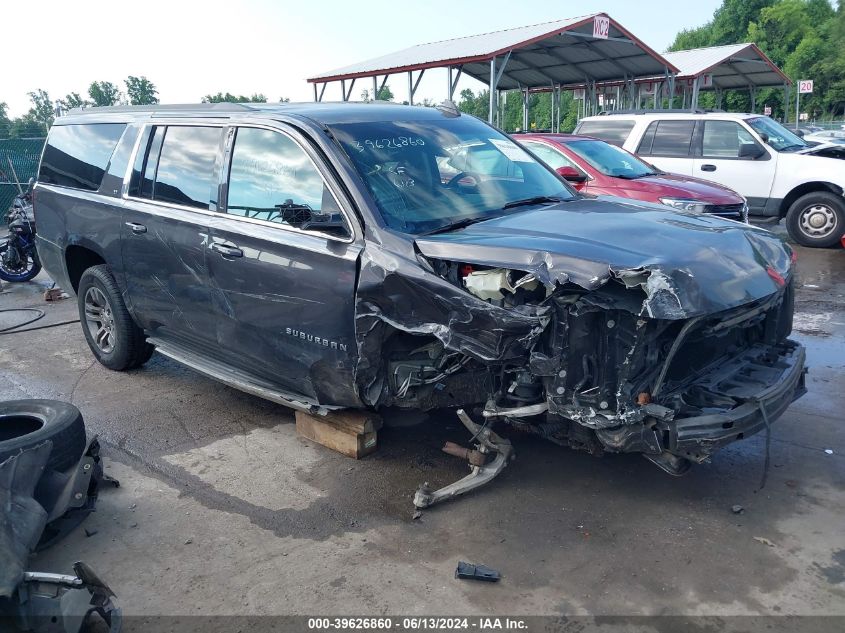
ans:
x=398 y=294
x=22 y=518
x=686 y=264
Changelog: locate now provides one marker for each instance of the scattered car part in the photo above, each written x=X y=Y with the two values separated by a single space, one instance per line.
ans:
x=27 y=423
x=41 y=499
x=59 y=603
x=488 y=444
x=468 y=571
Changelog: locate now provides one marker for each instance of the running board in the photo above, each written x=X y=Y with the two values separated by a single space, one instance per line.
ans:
x=237 y=378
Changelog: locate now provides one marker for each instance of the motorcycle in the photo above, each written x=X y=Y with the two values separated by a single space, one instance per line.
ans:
x=18 y=258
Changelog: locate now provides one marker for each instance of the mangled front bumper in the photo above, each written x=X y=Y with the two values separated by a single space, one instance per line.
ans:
x=764 y=390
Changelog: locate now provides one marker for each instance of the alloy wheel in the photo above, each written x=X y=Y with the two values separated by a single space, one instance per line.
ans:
x=99 y=319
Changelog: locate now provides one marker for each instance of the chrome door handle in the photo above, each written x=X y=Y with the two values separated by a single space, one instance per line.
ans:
x=136 y=228
x=708 y=167
x=227 y=250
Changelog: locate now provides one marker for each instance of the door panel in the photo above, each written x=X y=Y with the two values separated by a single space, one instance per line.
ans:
x=285 y=307
x=164 y=251
x=720 y=161
x=164 y=232
x=283 y=291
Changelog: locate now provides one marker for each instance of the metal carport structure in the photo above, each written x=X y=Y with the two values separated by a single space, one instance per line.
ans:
x=583 y=51
x=731 y=67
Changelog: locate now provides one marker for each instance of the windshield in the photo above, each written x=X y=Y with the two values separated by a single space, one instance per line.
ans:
x=611 y=160
x=779 y=138
x=429 y=174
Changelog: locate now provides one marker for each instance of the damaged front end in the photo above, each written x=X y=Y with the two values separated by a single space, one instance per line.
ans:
x=671 y=360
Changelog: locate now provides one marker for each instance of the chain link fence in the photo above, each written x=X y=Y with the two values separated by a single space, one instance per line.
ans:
x=18 y=163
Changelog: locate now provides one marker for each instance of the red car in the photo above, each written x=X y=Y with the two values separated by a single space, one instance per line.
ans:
x=593 y=166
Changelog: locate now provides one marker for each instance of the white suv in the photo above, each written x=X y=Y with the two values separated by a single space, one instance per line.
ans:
x=779 y=174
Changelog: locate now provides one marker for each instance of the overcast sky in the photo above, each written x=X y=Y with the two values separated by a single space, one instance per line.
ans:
x=192 y=48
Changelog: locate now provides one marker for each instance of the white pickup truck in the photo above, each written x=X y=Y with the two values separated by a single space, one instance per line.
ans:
x=779 y=174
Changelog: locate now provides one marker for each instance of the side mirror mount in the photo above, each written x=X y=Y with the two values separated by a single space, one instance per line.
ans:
x=750 y=151
x=800 y=133
x=571 y=174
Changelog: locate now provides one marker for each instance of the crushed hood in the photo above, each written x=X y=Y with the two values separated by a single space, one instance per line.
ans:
x=687 y=264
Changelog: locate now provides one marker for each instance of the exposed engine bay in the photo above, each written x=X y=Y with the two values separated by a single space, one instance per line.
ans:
x=623 y=367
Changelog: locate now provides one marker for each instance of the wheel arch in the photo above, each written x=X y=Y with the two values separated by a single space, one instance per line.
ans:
x=80 y=257
x=805 y=188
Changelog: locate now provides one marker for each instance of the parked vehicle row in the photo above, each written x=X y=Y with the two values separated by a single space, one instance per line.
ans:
x=370 y=255
x=779 y=174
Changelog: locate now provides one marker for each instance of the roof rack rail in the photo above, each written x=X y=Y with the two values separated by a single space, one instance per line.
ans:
x=158 y=107
x=659 y=111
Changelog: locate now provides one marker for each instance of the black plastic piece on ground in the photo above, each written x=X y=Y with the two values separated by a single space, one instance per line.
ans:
x=468 y=571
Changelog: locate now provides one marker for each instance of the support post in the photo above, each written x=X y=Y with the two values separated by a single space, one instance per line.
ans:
x=410 y=88
x=753 y=91
x=375 y=88
x=449 y=81
x=492 y=106
x=525 y=110
x=695 y=88
x=785 y=102
x=315 y=92
x=797 y=105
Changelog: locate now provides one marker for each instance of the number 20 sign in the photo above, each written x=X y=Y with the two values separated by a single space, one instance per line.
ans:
x=601 y=27
x=805 y=86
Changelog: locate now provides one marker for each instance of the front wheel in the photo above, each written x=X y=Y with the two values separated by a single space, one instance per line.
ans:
x=17 y=265
x=817 y=219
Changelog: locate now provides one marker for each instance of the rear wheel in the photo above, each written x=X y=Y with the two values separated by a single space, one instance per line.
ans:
x=817 y=219
x=114 y=338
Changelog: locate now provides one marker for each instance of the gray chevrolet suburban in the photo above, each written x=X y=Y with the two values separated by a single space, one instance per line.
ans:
x=330 y=256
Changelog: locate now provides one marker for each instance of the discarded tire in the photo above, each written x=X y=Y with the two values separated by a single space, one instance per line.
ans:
x=27 y=423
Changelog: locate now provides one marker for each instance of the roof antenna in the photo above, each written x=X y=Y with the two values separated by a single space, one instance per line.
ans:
x=448 y=108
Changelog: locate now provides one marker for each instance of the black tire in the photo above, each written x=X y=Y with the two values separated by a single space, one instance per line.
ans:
x=30 y=274
x=114 y=338
x=817 y=219
x=27 y=423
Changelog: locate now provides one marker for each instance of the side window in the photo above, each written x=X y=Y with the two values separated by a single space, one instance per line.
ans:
x=77 y=155
x=612 y=130
x=722 y=139
x=185 y=172
x=549 y=155
x=667 y=138
x=271 y=178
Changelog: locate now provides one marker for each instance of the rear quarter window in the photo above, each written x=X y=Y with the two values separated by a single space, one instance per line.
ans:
x=667 y=138
x=614 y=131
x=77 y=155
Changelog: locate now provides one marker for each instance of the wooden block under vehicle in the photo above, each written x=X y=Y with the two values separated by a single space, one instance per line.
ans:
x=353 y=433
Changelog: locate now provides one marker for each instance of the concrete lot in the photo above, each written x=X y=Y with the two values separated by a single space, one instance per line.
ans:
x=223 y=509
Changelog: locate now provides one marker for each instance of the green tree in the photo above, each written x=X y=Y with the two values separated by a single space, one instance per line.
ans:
x=140 y=90
x=72 y=100
x=27 y=126
x=230 y=98
x=42 y=109
x=5 y=123
x=103 y=93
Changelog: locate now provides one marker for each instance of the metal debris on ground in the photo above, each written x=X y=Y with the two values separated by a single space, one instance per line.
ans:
x=468 y=571
x=737 y=509
x=764 y=541
x=481 y=471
